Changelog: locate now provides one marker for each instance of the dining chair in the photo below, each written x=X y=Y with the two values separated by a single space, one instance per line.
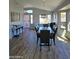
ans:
x=37 y=34
x=44 y=38
x=54 y=35
x=54 y=30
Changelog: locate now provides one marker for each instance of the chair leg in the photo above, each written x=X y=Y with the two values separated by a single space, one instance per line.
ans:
x=51 y=41
x=48 y=47
x=54 y=40
x=37 y=40
x=40 y=47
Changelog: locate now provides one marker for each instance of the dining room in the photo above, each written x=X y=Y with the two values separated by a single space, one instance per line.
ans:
x=39 y=32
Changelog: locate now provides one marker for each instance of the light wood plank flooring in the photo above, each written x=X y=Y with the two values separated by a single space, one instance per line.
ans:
x=25 y=47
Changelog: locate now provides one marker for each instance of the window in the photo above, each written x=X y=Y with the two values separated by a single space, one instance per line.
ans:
x=49 y=18
x=63 y=16
x=44 y=19
x=28 y=11
x=63 y=20
x=31 y=19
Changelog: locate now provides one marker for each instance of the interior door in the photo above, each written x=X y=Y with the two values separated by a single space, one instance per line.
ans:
x=27 y=21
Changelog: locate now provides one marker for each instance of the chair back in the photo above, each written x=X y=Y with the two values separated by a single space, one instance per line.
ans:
x=45 y=25
x=56 y=30
x=36 y=29
x=44 y=36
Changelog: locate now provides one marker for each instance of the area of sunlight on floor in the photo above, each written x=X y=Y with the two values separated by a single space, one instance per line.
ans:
x=61 y=39
x=63 y=34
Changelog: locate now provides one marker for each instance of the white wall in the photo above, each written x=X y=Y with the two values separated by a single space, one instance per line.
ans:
x=14 y=7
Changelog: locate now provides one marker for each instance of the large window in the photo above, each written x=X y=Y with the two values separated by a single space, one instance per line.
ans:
x=63 y=16
x=49 y=18
x=63 y=20
x=44 y=19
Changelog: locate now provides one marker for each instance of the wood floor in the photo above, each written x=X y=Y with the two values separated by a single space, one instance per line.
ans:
x=25 y=47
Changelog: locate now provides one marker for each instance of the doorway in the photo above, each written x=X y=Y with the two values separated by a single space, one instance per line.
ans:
x=26 y=21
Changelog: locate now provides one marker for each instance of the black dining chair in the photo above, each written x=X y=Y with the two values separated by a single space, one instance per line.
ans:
x=45 y=25
x=37 y=34
x=44 y=38
x=54 y=35
x=54 y=30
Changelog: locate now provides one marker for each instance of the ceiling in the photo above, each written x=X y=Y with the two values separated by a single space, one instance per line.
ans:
x=41 y=4
x=65 y=7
